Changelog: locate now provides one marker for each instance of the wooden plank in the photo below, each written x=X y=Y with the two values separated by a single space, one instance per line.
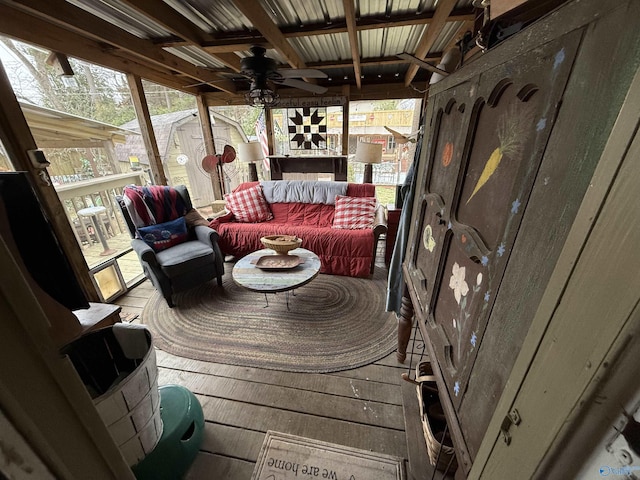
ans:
x=209 y=144
x=73 y=18
x=261 y=21
x=146 y=129
x=262 y=418
x=500 y=7
x=57 y=39
x=613 y=153
x=583 y=330
x=229 y=441
x=440 y=18
x=17 y=140
x=418 y=466
x=350 y=19
x=568 y=167
x=213 y=466
x=327 y=383
x=373 y=373
x=291 y=399
x=40 y=391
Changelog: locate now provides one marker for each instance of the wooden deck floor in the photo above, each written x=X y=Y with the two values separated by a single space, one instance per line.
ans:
x=361 y=408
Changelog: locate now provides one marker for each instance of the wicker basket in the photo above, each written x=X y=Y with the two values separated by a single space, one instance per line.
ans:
x=433 y=426
x=282 y=244
x=124 y=388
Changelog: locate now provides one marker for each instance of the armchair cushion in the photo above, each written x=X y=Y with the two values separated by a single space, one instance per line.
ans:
x=184 y=258
x=164 y=235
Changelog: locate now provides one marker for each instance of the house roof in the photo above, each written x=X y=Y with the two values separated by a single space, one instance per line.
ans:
x=55 y=129
x=163 y=127
x=196 y=46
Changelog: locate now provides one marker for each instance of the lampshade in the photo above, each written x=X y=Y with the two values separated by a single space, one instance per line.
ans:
x=250 y=152
x=368 y=152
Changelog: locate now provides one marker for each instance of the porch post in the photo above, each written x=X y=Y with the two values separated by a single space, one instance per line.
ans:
x=18 y=140
x=209 y=143
x=146 y=129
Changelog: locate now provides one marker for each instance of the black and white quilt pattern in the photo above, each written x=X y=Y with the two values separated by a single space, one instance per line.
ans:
x=307 y=128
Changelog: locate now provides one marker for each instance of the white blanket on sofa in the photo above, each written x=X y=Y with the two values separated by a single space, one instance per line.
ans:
x=302 y=191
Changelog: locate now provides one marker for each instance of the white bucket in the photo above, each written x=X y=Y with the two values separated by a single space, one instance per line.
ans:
x=130 y=407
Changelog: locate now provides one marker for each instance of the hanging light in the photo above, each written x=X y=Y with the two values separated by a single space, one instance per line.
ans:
x=260 y=95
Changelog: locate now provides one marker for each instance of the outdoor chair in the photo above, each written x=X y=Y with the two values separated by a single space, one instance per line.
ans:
x=176 y=248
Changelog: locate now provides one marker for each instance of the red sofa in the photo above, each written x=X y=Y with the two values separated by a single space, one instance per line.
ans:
x=341 y=251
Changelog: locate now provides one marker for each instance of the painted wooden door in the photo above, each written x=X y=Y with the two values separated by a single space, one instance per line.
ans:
x=487 y=139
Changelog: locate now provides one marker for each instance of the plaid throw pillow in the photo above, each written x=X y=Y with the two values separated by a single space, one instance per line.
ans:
x=354 y=212
x=248 y=206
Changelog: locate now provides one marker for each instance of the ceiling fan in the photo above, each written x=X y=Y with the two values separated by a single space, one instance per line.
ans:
x=262 y=70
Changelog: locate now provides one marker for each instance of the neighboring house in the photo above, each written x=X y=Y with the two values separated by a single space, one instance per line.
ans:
x=181 y=147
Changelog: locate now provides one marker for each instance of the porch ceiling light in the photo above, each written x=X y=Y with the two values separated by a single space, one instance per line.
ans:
x=260 y=95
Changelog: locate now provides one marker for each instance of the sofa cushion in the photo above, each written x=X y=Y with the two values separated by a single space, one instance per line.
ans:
x=341 y=252
x=354 y=213
x=248 y=206
x=292 y=191
x=164 y=235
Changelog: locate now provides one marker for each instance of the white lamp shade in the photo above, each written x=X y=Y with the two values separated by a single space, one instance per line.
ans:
x=368 y=152
x=250 y=152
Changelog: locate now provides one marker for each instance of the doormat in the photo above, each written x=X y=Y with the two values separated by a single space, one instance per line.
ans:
x=288 y=457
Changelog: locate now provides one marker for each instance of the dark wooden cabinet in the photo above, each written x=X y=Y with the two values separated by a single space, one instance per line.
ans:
x=512 y=142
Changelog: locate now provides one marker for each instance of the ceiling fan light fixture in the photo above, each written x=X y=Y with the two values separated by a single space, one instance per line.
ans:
x=262 y=97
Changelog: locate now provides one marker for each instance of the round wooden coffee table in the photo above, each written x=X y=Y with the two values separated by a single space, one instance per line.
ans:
x=246 y=274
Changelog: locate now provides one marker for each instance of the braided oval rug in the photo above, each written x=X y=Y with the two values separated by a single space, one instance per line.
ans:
x=333 y=323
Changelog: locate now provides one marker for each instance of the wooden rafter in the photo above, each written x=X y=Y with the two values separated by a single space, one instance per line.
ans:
x=73 y=19
x=350 y=17
x=56 y=38
x=440 y=18
x=166 y=16
x=236 y=41
x=256 y=14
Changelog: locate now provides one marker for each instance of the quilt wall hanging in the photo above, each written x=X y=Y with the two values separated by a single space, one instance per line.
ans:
x=307 y=128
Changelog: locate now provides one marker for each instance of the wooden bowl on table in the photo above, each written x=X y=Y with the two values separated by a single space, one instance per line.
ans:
x=282 y=244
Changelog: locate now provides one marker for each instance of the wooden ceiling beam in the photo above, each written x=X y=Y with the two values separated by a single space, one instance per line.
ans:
x=260 y=19
x=366 y=62
x=381 y=91
x=443 y=10
x=52 y=37
x=240 y=41
x=68 y=17
x=350 y=18
x=173 y=21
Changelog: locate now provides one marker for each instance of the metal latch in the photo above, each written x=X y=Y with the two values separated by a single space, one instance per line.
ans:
x=513 y=418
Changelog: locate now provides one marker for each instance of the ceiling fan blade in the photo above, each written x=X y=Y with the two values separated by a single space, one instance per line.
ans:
x=301 y=73
x=310 y=87
x=422 y=63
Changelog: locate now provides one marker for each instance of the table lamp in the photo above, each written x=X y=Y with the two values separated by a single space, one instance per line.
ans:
x=250 y=153
x=368 y=153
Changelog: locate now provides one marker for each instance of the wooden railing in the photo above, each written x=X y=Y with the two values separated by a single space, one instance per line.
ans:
x=99 y=191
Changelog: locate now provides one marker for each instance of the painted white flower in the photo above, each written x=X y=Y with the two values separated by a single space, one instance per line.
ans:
x=479 y=279
x=457 y=282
